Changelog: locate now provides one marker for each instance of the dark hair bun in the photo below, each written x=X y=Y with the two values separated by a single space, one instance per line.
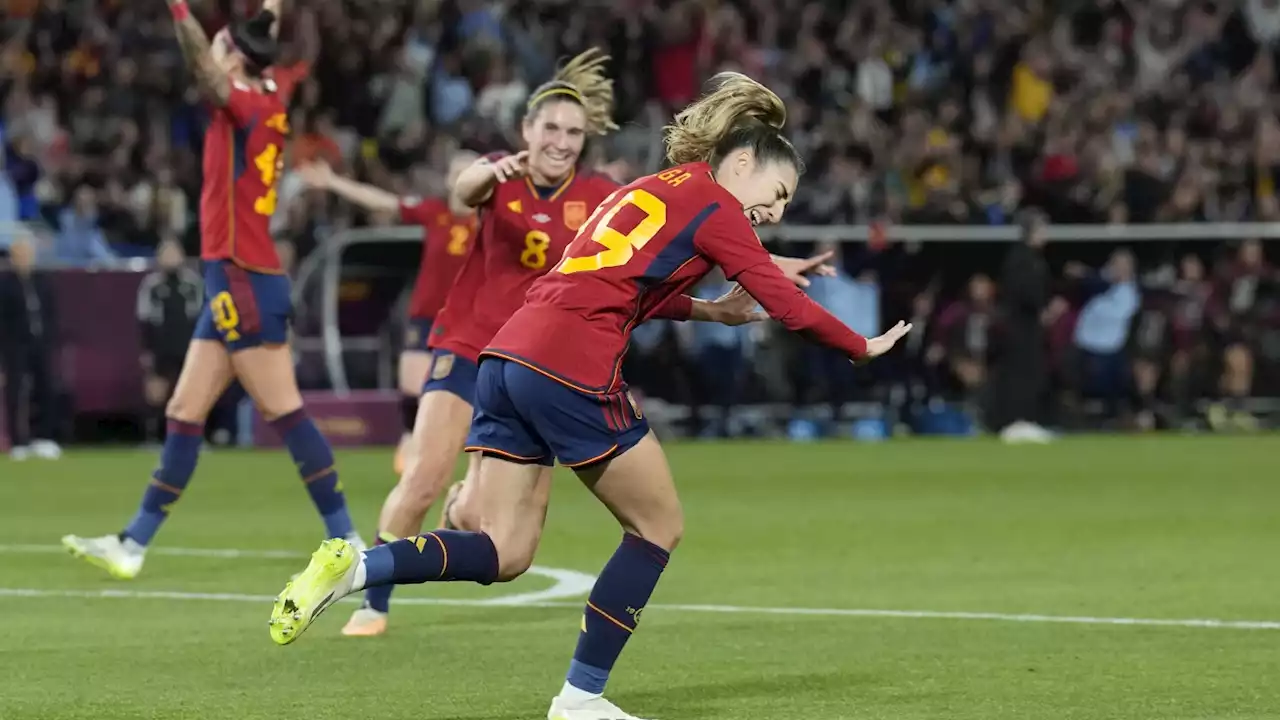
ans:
x=253 y=39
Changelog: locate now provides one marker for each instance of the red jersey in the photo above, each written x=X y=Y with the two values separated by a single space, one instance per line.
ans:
x=643 y=247
x=243 y=160
x=523 y=233
x=446 y=238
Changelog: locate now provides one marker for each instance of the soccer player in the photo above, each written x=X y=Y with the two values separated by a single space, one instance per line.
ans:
x=242 y=332
x=550 y=385
x=531 y=203
x=448 y=229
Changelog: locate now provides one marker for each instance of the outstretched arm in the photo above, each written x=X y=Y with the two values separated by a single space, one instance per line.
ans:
x=730 y=242
x=213 y=83
x=318 y=175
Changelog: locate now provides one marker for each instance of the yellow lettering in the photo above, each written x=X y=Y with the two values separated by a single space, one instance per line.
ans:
x=674 y=176
x=534 y=256
x=458 y=237
x=225 y=315
x=270 y=163
x=619 y=248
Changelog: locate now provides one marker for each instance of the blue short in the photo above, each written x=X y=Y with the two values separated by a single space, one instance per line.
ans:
x=528 y=416
x=416 y=334
x=451 y=373
x=244 y=309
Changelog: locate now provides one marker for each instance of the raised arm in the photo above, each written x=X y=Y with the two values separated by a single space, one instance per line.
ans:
x=319 y=176
x=212 y=82
x=475 y=185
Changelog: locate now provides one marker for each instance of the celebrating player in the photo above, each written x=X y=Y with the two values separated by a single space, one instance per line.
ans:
x=242 y=332
x=448 y=228
x=531 y=204
x=550 y=385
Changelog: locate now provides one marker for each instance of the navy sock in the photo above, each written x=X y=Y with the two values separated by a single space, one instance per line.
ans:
x=439 y=556
x=408 y=411
x=314 y=459
x=613 y=610
x=378 y=597
x=177 y=463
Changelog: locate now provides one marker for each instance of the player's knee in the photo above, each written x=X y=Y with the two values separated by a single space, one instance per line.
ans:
x=183 y=408
x=665 y=531
x=514 y=560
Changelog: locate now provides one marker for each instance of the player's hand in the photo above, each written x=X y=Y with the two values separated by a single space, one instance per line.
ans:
x=736 y=307
x=316 y=175
x=882 y=344
x=511 y=167
x=796 y=268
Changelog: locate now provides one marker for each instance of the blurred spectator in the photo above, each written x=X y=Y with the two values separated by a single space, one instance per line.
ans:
x=28 y=336
x=80 y=241
x=1240 y=320
x=964 y=337
x=9 y=209
x=169 y=302
x=720 y=355
x=855 y=300
x=1019 y=391
x=1100 y=365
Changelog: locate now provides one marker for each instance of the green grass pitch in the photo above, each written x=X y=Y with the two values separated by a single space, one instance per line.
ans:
x=746 y=624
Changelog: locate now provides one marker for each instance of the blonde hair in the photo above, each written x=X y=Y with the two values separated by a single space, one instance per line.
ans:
x=736 y=102
x=581 y=80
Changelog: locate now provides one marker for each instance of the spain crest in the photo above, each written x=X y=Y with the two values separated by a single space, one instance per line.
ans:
x=575 y=214
x=442 y=366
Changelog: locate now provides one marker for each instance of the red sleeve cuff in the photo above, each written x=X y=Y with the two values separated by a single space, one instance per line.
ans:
x=676 y=307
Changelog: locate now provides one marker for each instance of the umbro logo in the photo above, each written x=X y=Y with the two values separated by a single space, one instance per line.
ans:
x=542 y=218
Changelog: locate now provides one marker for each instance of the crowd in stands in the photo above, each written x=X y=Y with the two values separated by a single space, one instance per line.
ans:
x=909 y=111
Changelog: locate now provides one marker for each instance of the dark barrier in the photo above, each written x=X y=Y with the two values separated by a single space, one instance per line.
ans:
x=99 y=339
x=358 y=419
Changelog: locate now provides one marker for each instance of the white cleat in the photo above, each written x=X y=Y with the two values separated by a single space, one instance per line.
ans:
x=46 y=450
x=121 y=559
x=592 y=708
x=20 y=453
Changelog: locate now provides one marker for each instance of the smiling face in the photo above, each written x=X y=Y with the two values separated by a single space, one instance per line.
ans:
x=554 y=134
x=763 y=189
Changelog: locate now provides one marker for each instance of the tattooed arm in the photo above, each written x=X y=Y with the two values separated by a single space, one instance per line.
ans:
x=213 y=83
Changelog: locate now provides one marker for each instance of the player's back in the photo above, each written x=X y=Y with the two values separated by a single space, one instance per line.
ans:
x=636 y=251
x=446 y=240
x=243 y=160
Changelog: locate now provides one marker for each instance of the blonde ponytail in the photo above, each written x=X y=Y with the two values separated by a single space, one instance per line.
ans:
x=734 y=102
x=581 y=80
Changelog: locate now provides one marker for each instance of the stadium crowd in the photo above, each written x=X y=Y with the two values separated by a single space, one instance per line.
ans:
x=911 y=111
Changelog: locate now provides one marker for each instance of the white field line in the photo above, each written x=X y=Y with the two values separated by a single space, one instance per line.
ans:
x=736 y=609
x=565 y=583
x=565 y=579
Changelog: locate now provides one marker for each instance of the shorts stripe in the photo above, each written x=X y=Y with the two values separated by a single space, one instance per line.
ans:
x=601 y=457
x=622 y=411
x=504 y=454
x=241 y=289
x=606 y=409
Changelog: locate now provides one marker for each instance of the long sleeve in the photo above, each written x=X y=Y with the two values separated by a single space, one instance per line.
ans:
x=730 y=242
x=676 y=307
